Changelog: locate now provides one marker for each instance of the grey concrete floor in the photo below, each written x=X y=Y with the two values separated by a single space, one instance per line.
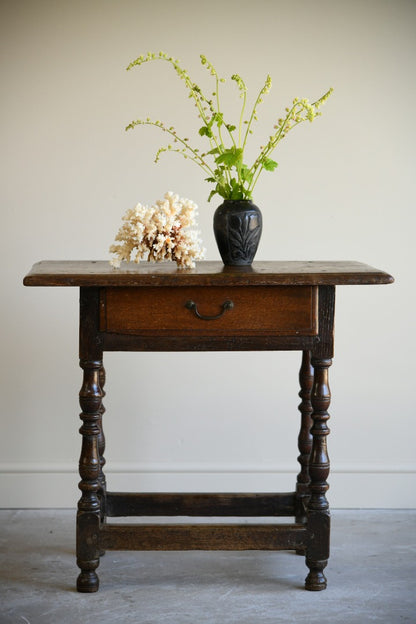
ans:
x=371 y=578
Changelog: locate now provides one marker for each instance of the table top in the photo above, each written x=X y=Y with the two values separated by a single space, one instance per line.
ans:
x=92 y=273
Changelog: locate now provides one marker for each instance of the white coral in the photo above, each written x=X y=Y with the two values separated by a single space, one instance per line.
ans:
x=158 y=233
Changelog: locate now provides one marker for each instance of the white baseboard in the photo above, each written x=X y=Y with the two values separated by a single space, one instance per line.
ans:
x=54 y=485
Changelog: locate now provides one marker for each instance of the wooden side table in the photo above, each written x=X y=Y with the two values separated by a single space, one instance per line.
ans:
x=155 y=307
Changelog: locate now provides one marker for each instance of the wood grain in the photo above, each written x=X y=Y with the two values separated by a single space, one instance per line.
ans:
x=127 y=504
x=276 y=306
x=290 y=273
x=278 y=310
x=203 y=537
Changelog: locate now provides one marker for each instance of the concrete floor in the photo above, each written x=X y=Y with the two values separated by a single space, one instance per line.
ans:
x=371 y=578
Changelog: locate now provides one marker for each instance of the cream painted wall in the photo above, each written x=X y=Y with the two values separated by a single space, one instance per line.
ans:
x=345 y=189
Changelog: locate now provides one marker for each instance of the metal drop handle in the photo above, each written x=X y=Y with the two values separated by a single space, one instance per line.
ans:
x=227 y=305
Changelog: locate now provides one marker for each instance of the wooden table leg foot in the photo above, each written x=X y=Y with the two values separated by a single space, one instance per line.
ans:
x=316 y=580
x=87 y=582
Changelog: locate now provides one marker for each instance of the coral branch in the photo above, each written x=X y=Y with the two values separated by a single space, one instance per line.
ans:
x=161 y=232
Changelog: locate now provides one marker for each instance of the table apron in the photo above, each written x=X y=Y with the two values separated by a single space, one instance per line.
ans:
x=129 y=342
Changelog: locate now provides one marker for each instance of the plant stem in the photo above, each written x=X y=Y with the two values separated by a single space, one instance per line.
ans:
x=195 y=156
x=253 y=112
x=217 y=93
x=240 y=124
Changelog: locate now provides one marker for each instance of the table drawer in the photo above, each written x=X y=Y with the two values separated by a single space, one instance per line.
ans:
x=184 y=311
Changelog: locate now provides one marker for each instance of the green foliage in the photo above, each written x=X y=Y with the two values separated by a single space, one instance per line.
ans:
x=269 y=164
x=232 y=157
x=231 y=177
x=205 y=131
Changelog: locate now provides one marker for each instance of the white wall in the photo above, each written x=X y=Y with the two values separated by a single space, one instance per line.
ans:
x=344 y=190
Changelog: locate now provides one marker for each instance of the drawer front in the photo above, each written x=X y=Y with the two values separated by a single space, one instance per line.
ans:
x=254 y=310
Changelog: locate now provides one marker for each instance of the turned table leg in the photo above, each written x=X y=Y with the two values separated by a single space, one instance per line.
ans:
x=101 y=445
x=89 y=506
x=305 y=437
x=317 y=552
x=102 y=492
x=92 y=485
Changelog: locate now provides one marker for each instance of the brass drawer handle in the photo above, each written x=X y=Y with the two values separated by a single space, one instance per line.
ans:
x=227 y=305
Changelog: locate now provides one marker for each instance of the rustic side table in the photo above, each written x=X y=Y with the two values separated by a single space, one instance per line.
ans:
x=155 y=307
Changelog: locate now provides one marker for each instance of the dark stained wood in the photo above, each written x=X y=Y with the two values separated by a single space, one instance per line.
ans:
x=318 y=517
x=101 y=448
x=277 y=306
x=214 y=505
x=318 y=521
x=89 y=506
x=203 y=537
x=324 y=347
x=305 y=436
x=89 y=515
x=89 y=316
x=277 y=310
x=132 y=342
x=95 y=273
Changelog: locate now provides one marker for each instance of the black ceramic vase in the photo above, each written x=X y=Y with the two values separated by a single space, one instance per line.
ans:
x=237 y=229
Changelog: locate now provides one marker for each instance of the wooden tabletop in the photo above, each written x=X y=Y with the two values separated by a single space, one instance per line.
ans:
x=91 y=273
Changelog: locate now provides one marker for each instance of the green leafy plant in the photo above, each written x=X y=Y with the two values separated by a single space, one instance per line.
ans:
x=223 y=163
